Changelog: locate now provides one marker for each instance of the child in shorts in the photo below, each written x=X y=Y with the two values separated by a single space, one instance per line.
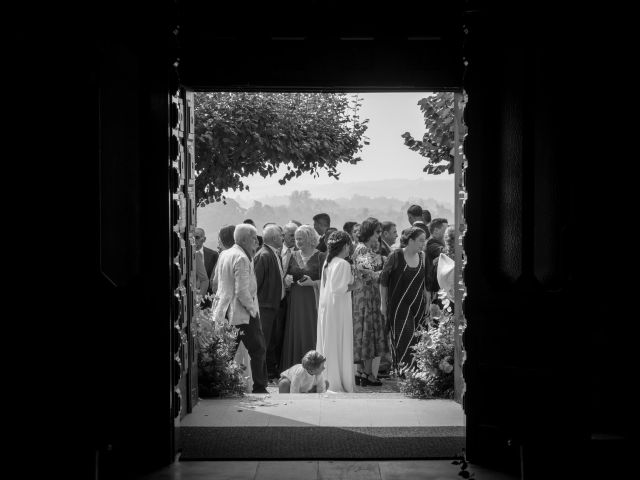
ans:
x=305 y=377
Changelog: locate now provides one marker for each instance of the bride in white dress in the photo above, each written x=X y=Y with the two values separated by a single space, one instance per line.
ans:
x=335 y=323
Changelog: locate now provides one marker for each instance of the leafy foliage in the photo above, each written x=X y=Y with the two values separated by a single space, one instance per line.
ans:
x=432 y=377
x=438 y=142
x=218 y=373
x=240 y=134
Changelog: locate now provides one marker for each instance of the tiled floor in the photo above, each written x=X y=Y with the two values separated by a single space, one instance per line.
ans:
x=321 y=470
x=331 y=410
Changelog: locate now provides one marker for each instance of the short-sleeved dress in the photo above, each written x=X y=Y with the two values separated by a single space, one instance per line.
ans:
x=302 y=310
x=369 y=333
x=406 y=304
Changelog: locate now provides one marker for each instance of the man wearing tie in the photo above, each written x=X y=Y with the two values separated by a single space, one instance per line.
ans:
x=202 y=279
x=270 y=285
x=289 y=244
x=210 y=258
x=288 y=247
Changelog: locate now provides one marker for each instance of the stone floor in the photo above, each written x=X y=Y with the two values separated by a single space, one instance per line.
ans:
x=322 y=470
x=330 y=410
x=370 y=406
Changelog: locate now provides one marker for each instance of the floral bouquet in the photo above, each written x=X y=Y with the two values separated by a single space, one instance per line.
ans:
x=432 y=376
x=368 y=264
x=218 y=373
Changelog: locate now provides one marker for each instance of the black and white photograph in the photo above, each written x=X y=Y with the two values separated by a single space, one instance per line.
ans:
x=326 y=240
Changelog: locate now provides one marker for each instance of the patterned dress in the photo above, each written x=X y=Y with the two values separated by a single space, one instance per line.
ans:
x=369 y=334
x=406 y=306
x=300 y=330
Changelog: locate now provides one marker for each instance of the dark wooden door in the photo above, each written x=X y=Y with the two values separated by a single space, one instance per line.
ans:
x=191 y=359
x=182 y=202
x=460 y=226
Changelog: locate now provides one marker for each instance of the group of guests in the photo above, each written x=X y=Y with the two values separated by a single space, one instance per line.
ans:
x=301 y=295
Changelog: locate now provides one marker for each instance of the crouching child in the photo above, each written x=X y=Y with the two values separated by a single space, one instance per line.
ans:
x=305 y=377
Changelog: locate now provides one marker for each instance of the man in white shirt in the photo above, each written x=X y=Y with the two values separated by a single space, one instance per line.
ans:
x=237 y=297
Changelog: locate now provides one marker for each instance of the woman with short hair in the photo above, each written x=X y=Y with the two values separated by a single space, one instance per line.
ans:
x=305 y=267
x=369 y=334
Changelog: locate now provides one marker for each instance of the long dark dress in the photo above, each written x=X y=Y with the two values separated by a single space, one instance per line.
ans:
x=300 y=331
x=406 y=304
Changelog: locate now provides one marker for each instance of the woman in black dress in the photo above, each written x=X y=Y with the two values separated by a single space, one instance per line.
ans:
x=403 y=296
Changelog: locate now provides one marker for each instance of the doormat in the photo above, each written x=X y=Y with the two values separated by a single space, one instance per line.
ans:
x=321 y=443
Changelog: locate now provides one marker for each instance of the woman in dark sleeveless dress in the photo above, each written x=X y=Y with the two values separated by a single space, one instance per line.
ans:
x=403 y=295
x=305 y=266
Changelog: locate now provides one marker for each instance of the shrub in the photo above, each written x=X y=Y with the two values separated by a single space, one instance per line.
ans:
x=218 y=373
x=432 y=374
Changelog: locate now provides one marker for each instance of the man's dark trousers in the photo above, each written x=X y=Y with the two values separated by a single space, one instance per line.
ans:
x=278 y=332
x=274 y=335
x=253 y=338
x=270 y=323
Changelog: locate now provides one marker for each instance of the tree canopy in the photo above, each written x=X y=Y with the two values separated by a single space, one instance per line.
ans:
x=241 y=134
x=438 y=142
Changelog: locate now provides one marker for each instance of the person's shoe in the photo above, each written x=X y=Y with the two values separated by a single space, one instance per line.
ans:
x=259 y=390
x=360 y=376
x=373 y=381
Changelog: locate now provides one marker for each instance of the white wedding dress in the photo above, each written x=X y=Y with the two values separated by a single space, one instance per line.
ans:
x=335 y=325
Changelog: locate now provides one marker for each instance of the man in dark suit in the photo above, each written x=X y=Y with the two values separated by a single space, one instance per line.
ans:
x=210 y=259
x=210 y=256
x=321 y=222
x=426 y=216
x=248 y=221
x=271 y=291
x=414 y=214
x=288 y=247
x=433 y=248
x=387 y=238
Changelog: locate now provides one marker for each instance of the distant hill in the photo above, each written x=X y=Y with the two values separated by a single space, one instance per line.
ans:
x=438 y=188
x=302 y=206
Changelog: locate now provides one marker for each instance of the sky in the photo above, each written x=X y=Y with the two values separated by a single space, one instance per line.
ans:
x=386 y=157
